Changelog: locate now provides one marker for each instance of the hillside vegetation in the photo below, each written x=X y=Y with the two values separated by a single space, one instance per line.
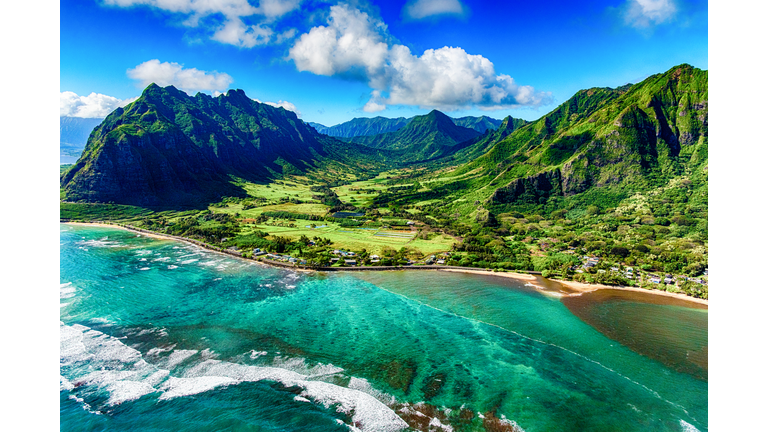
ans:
x=617 y=175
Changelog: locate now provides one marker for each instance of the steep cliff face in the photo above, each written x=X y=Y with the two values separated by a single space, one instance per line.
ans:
x=171 y=148
x=640 y=134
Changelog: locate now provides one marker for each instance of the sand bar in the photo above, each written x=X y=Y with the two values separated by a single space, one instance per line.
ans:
x=585 y=287
x=488 y=273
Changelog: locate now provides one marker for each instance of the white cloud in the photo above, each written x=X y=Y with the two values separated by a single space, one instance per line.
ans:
x=233 y=30
x=420 y=9
x=353 y=45
x=95 y=105
x=189 y=80
x=645 y=13
x=282 y=104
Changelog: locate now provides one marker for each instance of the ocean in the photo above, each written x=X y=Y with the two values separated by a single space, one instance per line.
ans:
x=161 y=335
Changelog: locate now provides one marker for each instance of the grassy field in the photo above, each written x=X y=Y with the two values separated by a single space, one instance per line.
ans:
x=273 y=198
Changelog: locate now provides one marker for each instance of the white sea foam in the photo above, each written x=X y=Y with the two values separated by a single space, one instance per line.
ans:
x=687 y=427
x=144 y=268
x=142 y=259
x=435 y=423
x=95 y=360
x=256 y=354
x=66 y=290
x=177 y=357
x=189 y=261
x=368 y=412
x=103 y=242
x=171 y=267
x=122 y=391
x=177 y=387
x=161 y=259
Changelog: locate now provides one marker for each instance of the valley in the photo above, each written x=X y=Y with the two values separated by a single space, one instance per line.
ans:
x=610 y=187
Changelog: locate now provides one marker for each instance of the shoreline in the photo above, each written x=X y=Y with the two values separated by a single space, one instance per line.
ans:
x=580 y=287
x=583 y=288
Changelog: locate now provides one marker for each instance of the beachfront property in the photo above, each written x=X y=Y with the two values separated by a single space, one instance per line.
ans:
x=350 y=262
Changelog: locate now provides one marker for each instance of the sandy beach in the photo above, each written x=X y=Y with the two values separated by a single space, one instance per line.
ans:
x=584 y=288
x=487 y=273
x=579 y=287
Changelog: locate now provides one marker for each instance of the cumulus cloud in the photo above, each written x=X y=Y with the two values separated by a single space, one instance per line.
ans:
x=646 y=13
x=420 y=9
x=353 y=45
x=233 y=30
x=282 y=104
x=190 y=80
x=95 y=105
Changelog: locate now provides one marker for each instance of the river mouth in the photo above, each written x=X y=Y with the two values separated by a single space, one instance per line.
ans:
x=670 y=330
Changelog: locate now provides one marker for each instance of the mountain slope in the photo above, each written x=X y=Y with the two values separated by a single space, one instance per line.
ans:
x=362 y=126
x=170 y=148
x=424 y=137
x=480 y=124
x=602 y=141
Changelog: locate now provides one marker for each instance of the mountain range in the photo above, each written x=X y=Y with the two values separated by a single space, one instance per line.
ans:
x=168 y=147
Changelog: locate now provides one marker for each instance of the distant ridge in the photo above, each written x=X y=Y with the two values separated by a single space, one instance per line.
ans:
x=425 y=137
x=363 y=126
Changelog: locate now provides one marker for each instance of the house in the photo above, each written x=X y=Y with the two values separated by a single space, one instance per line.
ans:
x=292 y=260
x=350 y=262
x=333 y=260
x=259 y=253
x=375 y=257
x=668 y=280
x=440 y=262
x=409 y=223
x=614 y=269
x=350 y=254
x=303 y=262
x=373 y=261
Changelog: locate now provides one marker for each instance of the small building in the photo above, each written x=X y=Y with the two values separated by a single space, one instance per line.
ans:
x=374 y=257
x=350 y=262
x=440 y=261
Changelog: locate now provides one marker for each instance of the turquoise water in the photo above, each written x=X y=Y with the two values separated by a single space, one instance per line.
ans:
x=160 y=335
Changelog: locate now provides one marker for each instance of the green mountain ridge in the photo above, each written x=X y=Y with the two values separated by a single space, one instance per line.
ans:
x=619 y=141
x=425 y=137
x=364 y=126
x=170 y=148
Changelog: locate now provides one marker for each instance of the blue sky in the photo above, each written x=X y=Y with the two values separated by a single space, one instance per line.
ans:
x=332 y=61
